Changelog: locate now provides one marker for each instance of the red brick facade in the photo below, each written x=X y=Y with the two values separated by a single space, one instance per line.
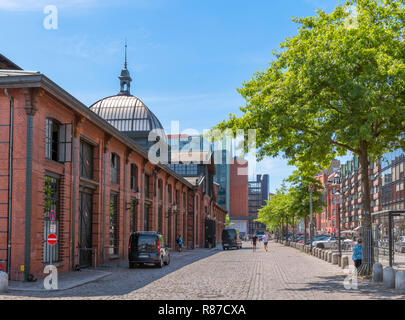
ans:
x=49 y=101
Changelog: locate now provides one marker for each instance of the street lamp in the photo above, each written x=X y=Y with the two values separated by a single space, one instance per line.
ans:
x=311 y=229
x=339 y=195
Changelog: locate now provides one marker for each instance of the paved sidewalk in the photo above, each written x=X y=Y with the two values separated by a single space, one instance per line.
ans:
x=66 y=280
x=282 y=273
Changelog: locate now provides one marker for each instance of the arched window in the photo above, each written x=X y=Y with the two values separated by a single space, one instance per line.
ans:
x=160 y=191
x=169 y=193
x=134 y=177
x=115 y=168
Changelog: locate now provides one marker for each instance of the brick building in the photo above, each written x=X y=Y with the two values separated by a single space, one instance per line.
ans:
x=65 y=169
x=239 y=189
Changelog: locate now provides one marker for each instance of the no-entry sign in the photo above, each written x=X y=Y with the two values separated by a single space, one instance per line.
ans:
x=52 y=239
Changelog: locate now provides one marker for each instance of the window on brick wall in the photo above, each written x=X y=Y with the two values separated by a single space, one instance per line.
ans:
x=86 y=160
x=160 y=189
x=169 y=193
x=58 y=141
x=134 y=177
x=51 y=218
x=114 y=168
x=114 y=224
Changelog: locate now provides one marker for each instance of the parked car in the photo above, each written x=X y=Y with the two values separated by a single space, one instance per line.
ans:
x=231 y=239
x=326 y=243
x=147 y=247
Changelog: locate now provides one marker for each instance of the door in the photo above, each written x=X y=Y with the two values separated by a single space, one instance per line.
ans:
x=85 y=221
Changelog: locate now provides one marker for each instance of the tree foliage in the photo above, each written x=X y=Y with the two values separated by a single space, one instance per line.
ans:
x=337 y=86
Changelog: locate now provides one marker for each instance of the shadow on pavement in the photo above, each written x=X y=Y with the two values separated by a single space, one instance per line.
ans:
x=123 y=280
x=335 y=284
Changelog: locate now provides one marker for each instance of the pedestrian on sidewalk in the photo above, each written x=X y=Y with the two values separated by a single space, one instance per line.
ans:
x=254 y=241
x=179 y=242
x=357 y=254
x=265 y=241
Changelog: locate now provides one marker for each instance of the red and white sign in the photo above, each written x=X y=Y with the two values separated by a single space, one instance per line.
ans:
x=52 y=239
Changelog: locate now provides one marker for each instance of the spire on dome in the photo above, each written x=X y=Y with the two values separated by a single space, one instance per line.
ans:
x=125 y=78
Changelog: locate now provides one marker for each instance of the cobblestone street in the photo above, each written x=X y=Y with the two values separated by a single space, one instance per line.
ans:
x=282 y=273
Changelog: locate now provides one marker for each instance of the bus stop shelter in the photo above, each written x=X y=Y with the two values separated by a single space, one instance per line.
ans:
x=387 y=225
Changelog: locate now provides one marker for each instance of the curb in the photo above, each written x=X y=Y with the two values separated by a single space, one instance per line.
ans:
x=66 y=287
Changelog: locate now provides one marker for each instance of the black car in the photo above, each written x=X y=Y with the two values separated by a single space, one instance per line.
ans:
x=147 y=247
x=231 y=239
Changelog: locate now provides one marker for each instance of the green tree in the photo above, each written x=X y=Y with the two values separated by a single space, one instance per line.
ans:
x=228 y=222
x=338 y=86
x=276 y=213
x=300 y=197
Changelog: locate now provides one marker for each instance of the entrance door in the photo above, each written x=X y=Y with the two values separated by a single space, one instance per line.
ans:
x=210 y=233
x=85 y=221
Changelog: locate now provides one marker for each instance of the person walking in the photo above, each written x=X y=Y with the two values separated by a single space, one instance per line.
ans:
x=357 y=254
x=179 y=242
x=265 y=241
x=254 y=241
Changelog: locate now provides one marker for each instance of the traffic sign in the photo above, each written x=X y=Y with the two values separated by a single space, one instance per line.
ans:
x=53 y=216
x=52 y=239
x=52 y=228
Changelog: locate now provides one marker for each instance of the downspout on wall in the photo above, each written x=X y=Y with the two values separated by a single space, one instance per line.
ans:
x=10 y=181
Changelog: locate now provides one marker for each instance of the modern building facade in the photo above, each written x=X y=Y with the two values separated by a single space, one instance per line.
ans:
x=65 y=170
x=257 y=196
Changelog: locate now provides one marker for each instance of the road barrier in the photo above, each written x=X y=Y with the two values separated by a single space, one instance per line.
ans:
x=389 y=277
x=3 y=282
x=377 y=272
x=400 y=281
x=345 y=261
x=335 y=258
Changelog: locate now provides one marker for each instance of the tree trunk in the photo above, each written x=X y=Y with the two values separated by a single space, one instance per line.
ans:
x=305 y=230
x=293 y=226
x=366 y=223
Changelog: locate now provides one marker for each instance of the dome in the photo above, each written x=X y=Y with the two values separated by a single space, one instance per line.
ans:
x=131 y=116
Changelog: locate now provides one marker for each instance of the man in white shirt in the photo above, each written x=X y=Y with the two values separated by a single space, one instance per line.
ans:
x=265 y=241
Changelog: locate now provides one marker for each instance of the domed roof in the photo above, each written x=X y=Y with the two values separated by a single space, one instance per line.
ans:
x=127 y=113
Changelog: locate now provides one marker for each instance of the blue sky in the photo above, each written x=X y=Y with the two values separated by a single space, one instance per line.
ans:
x=186 y=57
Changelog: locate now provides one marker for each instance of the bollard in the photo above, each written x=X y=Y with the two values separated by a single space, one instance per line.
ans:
x=389 y=277
x=3 y=282
x=335 y=258
x=330 y=256
x=377 y=272
x=345 y=261
x=400 y=281
x=339 y=260
x=326 y=256
x=314 y=252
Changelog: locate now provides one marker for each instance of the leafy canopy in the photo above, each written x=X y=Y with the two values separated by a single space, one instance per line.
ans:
x=338 y=85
